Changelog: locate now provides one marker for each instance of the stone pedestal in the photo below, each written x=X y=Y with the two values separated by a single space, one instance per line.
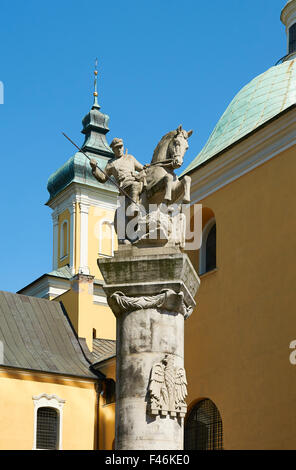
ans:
x=151 y=291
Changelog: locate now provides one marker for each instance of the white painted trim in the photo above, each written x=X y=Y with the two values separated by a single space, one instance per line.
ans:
x=76 y=192
x=72 y=236
x=84 y=209
x=268 y=142
x=111 y=224
x=99 y=300
x=52 y=401
x=203 y=248
x=99 y=296
x=48 y=287
x=55 y=220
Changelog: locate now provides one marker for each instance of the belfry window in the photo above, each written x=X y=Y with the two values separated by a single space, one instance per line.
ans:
x=292 y=39
x=207 y=258
x=47 y=428
x=203 y=427
x=64 y=240
x=106 y=238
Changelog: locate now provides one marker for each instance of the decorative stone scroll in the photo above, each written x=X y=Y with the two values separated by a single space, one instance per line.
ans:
x=166 y=300
x=167 y=389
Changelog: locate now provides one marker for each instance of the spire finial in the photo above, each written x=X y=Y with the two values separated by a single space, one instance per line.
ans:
x=96 y=104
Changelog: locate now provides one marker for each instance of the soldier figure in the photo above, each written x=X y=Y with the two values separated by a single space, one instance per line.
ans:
x=123 y=168
x=129 y=174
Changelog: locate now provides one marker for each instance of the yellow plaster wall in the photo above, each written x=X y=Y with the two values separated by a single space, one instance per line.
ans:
x=96 y=216
x=85 y=315
x=107 y=412
x=17 y=409
x=62 y=217
x=237 y=339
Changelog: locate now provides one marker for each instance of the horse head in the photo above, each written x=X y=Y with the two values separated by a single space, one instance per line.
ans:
x=178 y=146
x=173 y=147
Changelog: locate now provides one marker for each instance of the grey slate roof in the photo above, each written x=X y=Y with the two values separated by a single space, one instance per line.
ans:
x=64 y=272
x=37 y=335
x=103 y=349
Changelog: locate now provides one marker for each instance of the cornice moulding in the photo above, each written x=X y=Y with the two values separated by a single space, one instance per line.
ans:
x=76 y=192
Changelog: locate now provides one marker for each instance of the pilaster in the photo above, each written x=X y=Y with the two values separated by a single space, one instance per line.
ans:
x=84 y=209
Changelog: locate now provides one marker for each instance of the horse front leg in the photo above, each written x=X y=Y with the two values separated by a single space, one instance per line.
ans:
x=186 y=181
x=168 y=182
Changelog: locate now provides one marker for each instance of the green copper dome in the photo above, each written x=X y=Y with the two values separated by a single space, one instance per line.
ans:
x=262 y=99
x=77 y=169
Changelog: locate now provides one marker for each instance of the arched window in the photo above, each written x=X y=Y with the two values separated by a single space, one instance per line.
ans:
x=203 y=427
x=106 y=238
x=64 y=240
x=47 y=428
x=207 y=254
x=48 y=421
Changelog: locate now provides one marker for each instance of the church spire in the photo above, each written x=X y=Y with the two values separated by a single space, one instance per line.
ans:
x=288 y=17
x=96 y=104
x=95 y=126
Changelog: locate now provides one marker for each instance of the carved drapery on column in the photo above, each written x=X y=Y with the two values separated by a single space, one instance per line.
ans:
x=166 y=300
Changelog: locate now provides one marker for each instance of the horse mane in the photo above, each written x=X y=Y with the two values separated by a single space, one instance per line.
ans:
x=160 y=152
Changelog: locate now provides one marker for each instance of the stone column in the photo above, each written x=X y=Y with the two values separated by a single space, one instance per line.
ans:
x=151 y=292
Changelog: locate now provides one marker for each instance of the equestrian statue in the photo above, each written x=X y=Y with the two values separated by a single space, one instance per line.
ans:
x=153 y=184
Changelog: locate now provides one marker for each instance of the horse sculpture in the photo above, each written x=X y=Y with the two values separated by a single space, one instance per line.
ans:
x=162 y=184
x=152 y=187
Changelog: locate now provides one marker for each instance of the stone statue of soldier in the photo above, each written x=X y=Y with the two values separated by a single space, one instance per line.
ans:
x=128 y=173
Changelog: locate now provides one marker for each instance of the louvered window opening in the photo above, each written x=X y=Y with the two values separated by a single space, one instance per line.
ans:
x=203 y=428
x=47 y=428
x=292 y=39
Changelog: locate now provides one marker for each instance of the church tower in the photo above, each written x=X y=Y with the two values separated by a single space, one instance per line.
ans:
x=83 y=209
x=82 y=214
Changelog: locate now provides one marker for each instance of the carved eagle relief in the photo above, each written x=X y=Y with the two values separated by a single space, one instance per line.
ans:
x=167 y=388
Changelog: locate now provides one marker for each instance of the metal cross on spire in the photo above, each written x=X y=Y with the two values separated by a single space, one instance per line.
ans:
x=95 y=85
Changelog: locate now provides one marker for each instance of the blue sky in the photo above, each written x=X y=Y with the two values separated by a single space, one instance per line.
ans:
x=161 y=63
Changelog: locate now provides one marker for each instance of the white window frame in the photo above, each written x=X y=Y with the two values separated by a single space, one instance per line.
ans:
x=62 y=256
x=203 y=248
x=51 y=401
x=111 y=224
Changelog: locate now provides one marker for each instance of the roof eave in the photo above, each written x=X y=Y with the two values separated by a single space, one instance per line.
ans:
x=237 y=142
